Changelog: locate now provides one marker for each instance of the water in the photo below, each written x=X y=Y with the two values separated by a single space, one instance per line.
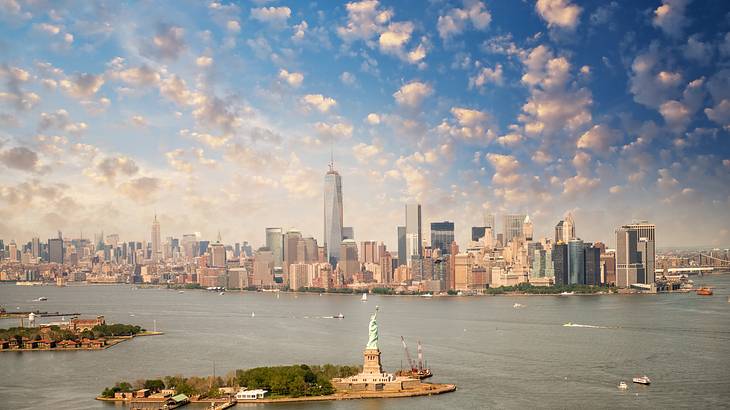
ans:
x=498 y=356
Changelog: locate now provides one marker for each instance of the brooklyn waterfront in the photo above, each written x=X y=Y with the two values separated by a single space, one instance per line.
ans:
x=499 y=356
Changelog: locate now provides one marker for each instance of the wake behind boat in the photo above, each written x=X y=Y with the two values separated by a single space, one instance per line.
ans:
x=571 y=324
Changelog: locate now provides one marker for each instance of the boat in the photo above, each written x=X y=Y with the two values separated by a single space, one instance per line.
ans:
x=427 y=295
x=222 y=293
x=364 y=297
x=180 y=291
x=338 y=316
x=567 y=293
x=642 y=380
x=703 y=291
x=418 y=370
x=623 y=385
x=518 y=305
x=41 y=299
x=253 y=314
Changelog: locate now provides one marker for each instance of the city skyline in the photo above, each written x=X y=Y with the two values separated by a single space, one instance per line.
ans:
x=222 y=117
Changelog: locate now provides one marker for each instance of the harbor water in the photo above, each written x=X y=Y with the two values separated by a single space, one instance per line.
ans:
x=498 y=354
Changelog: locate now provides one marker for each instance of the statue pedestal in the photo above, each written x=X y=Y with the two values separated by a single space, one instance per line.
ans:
x=371 y=363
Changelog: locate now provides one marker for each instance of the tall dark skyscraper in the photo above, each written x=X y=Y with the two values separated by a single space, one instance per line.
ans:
x=442 y=235
x=560 y=263
x=55 y=250
x=332 y=214
x=576 y=262
x=477 y=232
x=592 y=265
x=401 y=245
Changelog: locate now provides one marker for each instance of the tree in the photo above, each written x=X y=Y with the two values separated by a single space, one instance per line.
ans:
x=154 y=384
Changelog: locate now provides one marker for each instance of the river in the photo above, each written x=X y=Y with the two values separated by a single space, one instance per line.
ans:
x=499 y=356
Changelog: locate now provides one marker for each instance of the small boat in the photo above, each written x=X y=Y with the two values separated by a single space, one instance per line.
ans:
x=427 y=295
x=338 y=316
x=41 y=299
x=623 y=385
x=569 y=324
x=518 y=305
x=222 y=293
x=642 y=380
x=703 y=291
x=253 y=314
x=180 y=291
x=567 y=293
x=364 y=297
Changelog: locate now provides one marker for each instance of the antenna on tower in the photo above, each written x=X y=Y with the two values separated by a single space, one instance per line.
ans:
x=332 y=153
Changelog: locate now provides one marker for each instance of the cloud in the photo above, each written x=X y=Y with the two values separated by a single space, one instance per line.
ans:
x=294 y=79
x=676 y=114
x=299 y=180
x=334 y=131
x=720 y=114
x=82 y=85
x=212 y=141
x=62 y=121
x=21 y=158
x=142 y=189
x=599 y=139
x=455 y=20
x=204 y=61
x=559 y=13
x=373 y=119
x=318 y=101
x=697 y=51
x=579 y=184
x=670 y=18
x=364 y=153
x=470 y=125
x=412 y=94
x=651 y=85
x=487 y=75
x=505 y=167
x=365 y=19
x=107 y=169
x=347 y=78
x=233 y=26
x=275 y=16
x=14 y=78
x=168 y=42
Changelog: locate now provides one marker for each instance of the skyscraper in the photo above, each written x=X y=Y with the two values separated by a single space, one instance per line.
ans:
x=576 y=262
x=291 y=241
x=592 y=265
x=55 y=250
x=413 y=232
x=512 y=227
x=369 y=252
x=401 y=245
x=36 y=247
x=489 y=221
x=635 y=252
x=560 y=263
x=332 y=214
x=275 y=243
x=442 y=234
x=217 y=255
x=478 y=232
x=156 y=241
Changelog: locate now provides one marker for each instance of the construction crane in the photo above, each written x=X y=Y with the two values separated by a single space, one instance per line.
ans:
x=411 y=363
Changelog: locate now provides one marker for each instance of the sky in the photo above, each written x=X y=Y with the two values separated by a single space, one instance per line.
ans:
x=222 y=116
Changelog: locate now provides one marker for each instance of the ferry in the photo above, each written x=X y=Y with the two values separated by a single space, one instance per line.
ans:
x=703 y=291
x=623 y=385
x=642 y=380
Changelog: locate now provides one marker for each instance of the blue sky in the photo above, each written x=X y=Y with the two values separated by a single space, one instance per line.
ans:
x=221 y=115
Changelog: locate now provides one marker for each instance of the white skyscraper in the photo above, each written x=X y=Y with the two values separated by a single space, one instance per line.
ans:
x=413 y=232
x=332 y=214
x=156 y=241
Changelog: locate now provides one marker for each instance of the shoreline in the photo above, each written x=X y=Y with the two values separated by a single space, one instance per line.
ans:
x=427 y=389
x=111 y=342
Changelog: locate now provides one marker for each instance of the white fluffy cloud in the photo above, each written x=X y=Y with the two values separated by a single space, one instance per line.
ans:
x=720 y=114
x=559 y=13
x=412 y=94
x=505 y=167
x=455 y=20
x=276 y=16
x=365 y=19
x=600 y=138
x=319 y=102
x=670 y=18
x=487 y=75
x=469 y=125
x=294 y=79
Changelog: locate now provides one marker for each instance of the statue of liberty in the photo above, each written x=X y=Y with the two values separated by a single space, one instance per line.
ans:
x=373 y=333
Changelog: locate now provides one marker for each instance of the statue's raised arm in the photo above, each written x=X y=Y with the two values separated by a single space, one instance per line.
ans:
x=373 y=331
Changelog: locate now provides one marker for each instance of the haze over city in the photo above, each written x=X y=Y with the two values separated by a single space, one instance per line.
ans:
x=222 y=117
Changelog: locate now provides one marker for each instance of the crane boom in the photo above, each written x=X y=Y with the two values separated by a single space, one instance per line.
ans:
x=411 y=363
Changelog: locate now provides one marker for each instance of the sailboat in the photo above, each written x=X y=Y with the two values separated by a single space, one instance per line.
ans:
x=364 y=297
x=253 y=314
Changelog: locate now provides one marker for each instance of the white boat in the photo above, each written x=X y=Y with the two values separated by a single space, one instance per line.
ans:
x=41 y=299
x=427 y=295
x=364 y=297
x=253 y=314
x=222 y=293
x=642 y=380
x=518 y=305
x=623 y=385
x=339 y=316
x=567 y=293
x=180 y=291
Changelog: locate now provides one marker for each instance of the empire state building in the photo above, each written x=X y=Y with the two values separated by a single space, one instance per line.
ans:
x=332 y=214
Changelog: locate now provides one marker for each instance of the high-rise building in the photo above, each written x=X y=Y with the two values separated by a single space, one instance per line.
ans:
x=13 y=252
x=291 y=241
x=592 y=265
x=608 y=268
x=442 y=234
x=478 y=232
x=332 y=214
x=156 y=241
x=36 y=248
x=349 y=263
x=217 y=255
x=413 y=232
x=275 y=243
x=55 y=250
x=401 y=245
x=369 y=252
x=512 y=227
x=489 y=221
x=576 y=262
x=527 y=228
x=348 y=232
x=560 y=263
x=635 y=253
x=189 y=245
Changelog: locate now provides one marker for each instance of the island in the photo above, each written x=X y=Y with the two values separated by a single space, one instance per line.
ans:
x=280 y=384
x=76 y=334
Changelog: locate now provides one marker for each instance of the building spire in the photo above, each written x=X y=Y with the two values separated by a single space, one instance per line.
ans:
x=332 y=155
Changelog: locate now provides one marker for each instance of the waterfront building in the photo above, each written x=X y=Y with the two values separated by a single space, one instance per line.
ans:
x=413 y=232
x=333 y=214
x=635 y=254
x=263 y=266
x=156 y=241
x=36 y=248
x=576 y=262
x=608 y=267
x=217 y=254
x=592 y=268
x=512 y=227
x=442 y=235
x=275 y=243
x=300 y=275
x=13 y=252
x=401 y=245
x=560 y=263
